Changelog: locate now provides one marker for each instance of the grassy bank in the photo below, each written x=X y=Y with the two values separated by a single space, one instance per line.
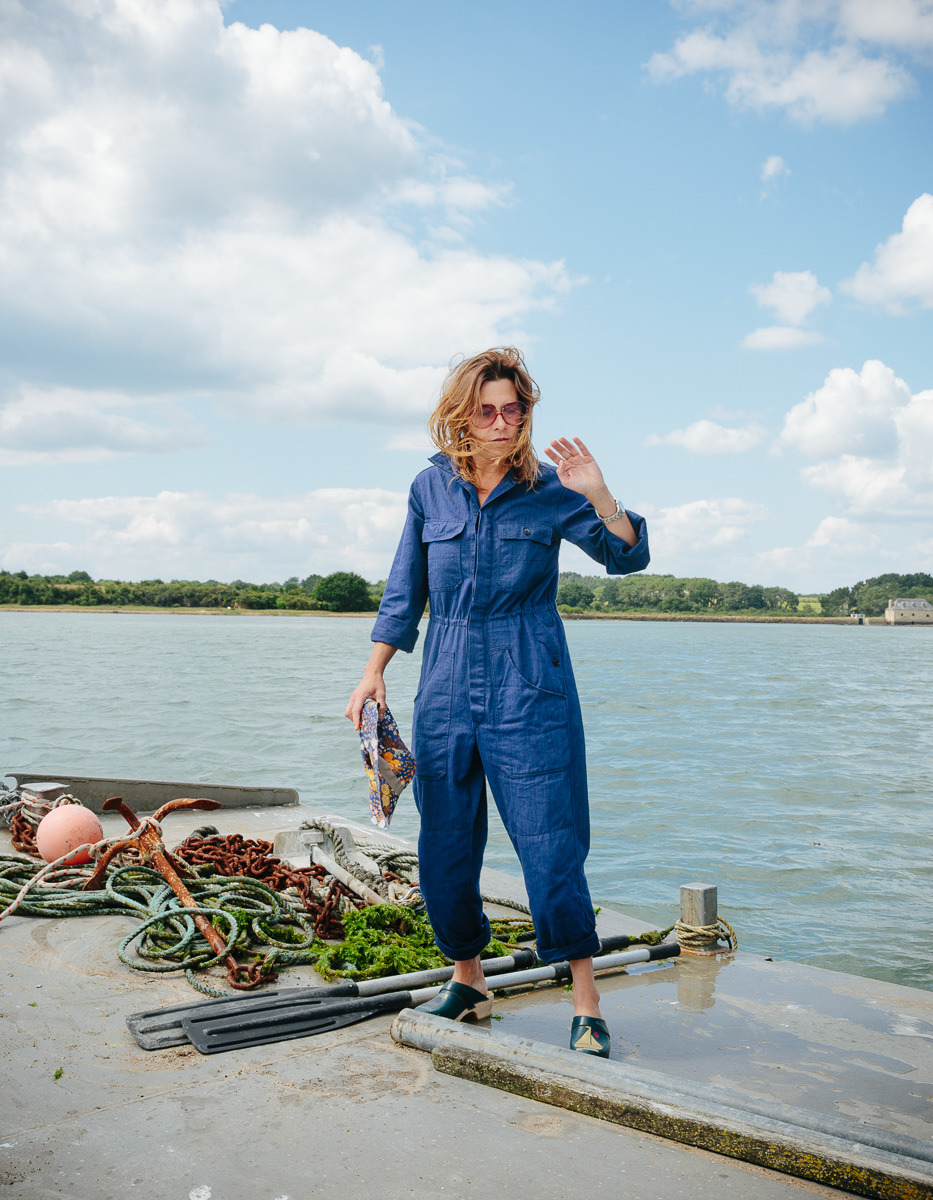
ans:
x=180 y=610
x=646 y=615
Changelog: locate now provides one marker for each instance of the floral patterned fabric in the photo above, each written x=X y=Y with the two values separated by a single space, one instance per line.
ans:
x=389 y=764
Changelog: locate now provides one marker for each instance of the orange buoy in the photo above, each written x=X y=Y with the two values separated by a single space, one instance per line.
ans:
x=65 y=828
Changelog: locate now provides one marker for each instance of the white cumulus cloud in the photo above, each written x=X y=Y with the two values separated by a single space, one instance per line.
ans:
x=58 y=425
x=189 y=207
x=791 y=295
x=873 y=441
x=781 y=337
x=709 y=437
x=195 y=535
x=699 y=524
x=833 y=553
x=773 y=168
x=852 y=412
x=828 y=61
x=840 y=535
x=902 y=269
x=907 y=24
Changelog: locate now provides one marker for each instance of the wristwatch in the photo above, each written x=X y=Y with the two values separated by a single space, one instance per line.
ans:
x=619 y=512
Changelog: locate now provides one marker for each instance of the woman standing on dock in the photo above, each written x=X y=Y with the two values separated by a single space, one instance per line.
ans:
x=497 y=698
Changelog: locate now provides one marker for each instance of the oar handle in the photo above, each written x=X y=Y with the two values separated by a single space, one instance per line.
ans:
x=560 y=971
x=615 y=941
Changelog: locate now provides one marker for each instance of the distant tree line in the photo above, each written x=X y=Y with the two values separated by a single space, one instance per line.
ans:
x=669 y=594
x=345 y=591
x=342 y=591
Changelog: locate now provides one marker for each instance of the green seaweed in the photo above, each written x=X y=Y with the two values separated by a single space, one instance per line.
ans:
x=386 y=939
x=382 y=939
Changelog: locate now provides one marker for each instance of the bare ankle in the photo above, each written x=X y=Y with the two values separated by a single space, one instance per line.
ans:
x=470 y=973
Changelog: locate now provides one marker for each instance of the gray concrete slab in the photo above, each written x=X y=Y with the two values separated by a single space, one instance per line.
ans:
x=830 y=1043
x=824 y=1149
x=347 y=1113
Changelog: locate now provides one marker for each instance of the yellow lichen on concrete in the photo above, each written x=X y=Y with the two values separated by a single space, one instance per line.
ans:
x=813 y=1163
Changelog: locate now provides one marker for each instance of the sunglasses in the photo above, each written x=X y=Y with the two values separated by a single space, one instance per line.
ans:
x=512 y=413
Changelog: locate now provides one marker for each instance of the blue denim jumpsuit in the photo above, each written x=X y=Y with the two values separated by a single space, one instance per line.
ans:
x=497 y=698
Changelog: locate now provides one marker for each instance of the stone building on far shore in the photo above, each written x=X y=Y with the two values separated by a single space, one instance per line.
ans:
x=909 y=612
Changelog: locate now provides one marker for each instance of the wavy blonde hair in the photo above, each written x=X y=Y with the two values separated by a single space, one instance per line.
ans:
x=449 y=424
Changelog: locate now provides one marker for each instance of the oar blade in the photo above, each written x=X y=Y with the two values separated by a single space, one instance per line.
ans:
x=162 y=1028
x=214 y=1035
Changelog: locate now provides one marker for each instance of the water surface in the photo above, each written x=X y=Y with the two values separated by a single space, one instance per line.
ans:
x=790 y=765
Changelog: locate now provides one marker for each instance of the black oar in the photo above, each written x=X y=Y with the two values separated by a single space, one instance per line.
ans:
x=161 y=1028
x=213 y=1032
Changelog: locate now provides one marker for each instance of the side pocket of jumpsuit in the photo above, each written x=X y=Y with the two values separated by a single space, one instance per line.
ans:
x=532 y=737
x=532 y=721
x=431 y=720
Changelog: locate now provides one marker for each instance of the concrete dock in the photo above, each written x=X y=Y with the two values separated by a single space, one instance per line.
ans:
x=354 y=1113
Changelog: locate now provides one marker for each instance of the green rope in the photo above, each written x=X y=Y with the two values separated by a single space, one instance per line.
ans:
x=255 y=921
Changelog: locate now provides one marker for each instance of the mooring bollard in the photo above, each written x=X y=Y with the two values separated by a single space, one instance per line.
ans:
x=700 y=927
x=699 y=904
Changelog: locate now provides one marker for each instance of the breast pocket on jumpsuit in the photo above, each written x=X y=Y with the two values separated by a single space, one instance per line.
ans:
x=525 y=554
x=444 y=540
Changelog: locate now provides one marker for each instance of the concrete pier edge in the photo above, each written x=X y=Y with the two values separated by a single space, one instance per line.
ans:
x=821 y=1149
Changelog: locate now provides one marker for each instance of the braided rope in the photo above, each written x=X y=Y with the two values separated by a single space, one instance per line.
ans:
x=44 y=874
x=257 y=920
x=393 y=859
x=375 y=883
x=703 y=937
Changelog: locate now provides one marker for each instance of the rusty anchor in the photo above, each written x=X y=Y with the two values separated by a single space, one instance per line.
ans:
x=152 y=850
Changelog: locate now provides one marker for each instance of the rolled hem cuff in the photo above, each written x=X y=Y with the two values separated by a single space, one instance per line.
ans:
x=460 y=953
x=586 y=948
x=395 y=633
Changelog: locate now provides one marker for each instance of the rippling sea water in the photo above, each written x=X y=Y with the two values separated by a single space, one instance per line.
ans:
x=791 y=765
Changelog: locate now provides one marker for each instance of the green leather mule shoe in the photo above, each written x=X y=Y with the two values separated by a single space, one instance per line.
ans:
x=590 y=1035
x=458 y=1002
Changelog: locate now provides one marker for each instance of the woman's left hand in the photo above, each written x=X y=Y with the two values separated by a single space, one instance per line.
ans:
x=577 y=469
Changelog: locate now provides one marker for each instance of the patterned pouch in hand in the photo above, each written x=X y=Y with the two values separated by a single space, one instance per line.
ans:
x=389 y=764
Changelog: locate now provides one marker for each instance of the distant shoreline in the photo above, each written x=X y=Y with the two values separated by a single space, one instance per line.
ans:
x=715 y=618
x=721 y=618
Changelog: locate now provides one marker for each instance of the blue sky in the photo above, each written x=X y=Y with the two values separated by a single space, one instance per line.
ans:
x=240 y=244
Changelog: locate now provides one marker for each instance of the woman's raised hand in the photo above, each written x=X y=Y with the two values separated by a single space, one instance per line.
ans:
x=577 y=469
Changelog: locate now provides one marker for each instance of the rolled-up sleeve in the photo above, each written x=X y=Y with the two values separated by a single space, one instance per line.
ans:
x=406 y=593
x=581 y=525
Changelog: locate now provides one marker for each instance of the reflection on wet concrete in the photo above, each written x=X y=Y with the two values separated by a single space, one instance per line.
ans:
x=830 y=1043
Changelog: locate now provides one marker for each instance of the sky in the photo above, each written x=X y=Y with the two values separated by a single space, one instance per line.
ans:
x=241 y=243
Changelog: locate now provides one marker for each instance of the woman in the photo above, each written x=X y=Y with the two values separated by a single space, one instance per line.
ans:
x=497 y=698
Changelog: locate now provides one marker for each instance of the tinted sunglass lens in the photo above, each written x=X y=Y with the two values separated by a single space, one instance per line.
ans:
x=512 y=414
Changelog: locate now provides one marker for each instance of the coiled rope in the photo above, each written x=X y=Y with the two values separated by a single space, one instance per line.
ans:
x=395 y=861
x=704 y=937
x=255 y=920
